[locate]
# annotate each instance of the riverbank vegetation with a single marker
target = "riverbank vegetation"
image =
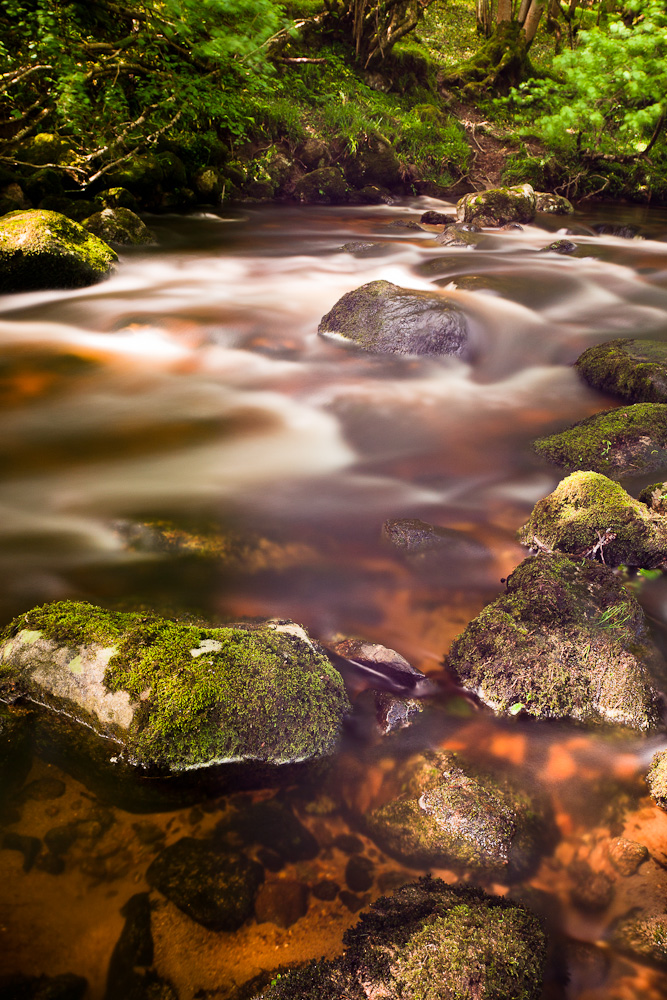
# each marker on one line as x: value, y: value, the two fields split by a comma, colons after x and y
x: 149, y: 95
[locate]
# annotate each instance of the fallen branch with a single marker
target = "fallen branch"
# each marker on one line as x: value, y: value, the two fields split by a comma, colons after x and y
x: 297, y: 59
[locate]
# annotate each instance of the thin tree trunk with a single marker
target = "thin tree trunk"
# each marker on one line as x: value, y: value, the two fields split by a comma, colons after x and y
x: 504, y: 12
x: 533, y: 20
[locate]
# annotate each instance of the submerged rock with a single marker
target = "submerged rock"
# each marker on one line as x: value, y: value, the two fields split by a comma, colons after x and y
x: 635, y: 370
x: 119, y: 225
x: 498, y: 206
x: 131, y: 974
x: 216, y: 889
x: 450, y: 813
x: 459, y: 234
x: 589, y: 516
x: 272, y: 824
x: 627, y: 441
x: 22, y: 987
x: 40, y: 249
x: 173, y: 695
x: 554, y: 204
x: 437, y: 219
x: 563, y: 247
x: 566, y: 640
x: 656, y: 778
x: 428, y: 544
x: 383, y: 318
x: 429, y: 940
x: 644, y: 937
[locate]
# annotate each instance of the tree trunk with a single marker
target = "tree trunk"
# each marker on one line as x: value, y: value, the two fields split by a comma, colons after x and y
x: 533, y: 19
x: 499, y: 63
x: 504, y: 12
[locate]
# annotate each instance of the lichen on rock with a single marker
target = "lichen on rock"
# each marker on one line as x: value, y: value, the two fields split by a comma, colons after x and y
x: 175, y: 695
x: 590, y: 516
x: 635, y: 370
x: 566, y: 640
x: 41, y: 249
x: 498, y: 206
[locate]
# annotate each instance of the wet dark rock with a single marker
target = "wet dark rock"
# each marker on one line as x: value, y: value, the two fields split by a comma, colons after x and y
x: 498, y: 206
x: 40, y: 249
x: 564, y: 247
x: 118, y: 197
x: 119, y: 227
x: 590, y: 516
x: 359, y: 873
x: 587, y: 966
x: 326, y: 889
x: 383, y: 665
x: 643, y: 937
x: 553, y: 204
x: 451, y: 813
x: 29, y: 847
x: 591, y: 891
x: 566, y: 640
x: 459, y: 235
x: 612, y: 229
x: 325, y: 186
x: 21, y: 987
x: 270, y: 860
x: 383, y: 318
x: 281, y: 903
x: 351, y: 901
x: 428, y: 545
x: 373, y: 162
x: 148, y: 833
x: 262, y: 692
x: 656, y: 778
x: 626, y: 855
x: 393, y: 713
x: 273, y: 825
x: 313, y: 153
x: 15, y: 753
x: 635, y: 370
x: 59, y: 839
x: 403, y: 224
x: 362, y: 249
x: 510, y: 227
x: 429, y: 940
x: 437, y: 219
x: 655, y: 497
x: 348, y: 843
x: 42, y: 789
x: 131, y: 974
x: 216, y: 889
x: 52, y: 864
x: 626, y: 441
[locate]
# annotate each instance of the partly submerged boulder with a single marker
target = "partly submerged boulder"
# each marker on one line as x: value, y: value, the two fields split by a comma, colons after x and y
x: 324, y: 186
x: 566, y: 640
x: 425, y: 544
x: 554, y: 204
x: 383, y: 318
x: 627, y: 441
x: 429, y: 940
x: 459, y: 234
x: 589, y: 516
x: 40, y: 249
x: 635, y: 370
x: 449, y: 813
x: 174, y: 695
x: 498, y: 206
x: 656, y: 778
x: 644, y: 937
x: 119, y: 225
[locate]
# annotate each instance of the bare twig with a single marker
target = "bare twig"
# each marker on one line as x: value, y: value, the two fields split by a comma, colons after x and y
x: 121, y: 159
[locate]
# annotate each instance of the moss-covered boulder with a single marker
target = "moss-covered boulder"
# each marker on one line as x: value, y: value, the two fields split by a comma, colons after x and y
x: 498, y: 206
x: 643, y: 937
x: 46, y: 147
x: 373, y: 162
x: 553, y: 204
x: 627, y: 441
x: 383, y: 318
x: 566, y: 640
x: 209, y: 183
x: 324, y: 186
x: 635, y: 370
x: 459, y: 234
x: 655, y: 497
x: 449, y: 813
x: 41, y: 249
x: 141, y: 174
x: 656, y: 778
x: 424, y: 544
x: 174, y: 695
x: 429, y: 941
x: 117, y: 197
x: 120, y: 226
x: 590, y: 516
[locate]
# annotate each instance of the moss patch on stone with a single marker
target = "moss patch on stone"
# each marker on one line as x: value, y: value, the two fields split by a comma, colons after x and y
x: 656, y: 778
x: 628, y: 441
x: 119, y: 225
x: 590, y: 516
x: 643, y: 937
x: 199, y: 694
x: 566, y: 640
x: 40, y: 249
x: 635, y: 370
x: 498, y: 206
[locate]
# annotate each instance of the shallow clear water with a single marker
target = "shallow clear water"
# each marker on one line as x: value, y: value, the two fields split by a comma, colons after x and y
x: 193, y: 386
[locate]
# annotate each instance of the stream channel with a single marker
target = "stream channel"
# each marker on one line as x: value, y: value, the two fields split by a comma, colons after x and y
x: 192, y: 388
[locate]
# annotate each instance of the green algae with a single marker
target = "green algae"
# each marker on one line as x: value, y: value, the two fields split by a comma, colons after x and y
x: 566, y: 640
x: 202, y: 694
x: 635, y: 370
x: 41, y: 249
x: 630, y: 440
x: 590, y: 516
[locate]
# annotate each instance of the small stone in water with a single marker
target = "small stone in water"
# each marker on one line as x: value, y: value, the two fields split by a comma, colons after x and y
x: 281, y: 903
x: 352, y: 902
x: 559, y: 246
x: 325, y: 889
x: 41, y: 789
x: 29, y: 847
x: 271, y: 860
x: 50, y: 863
x: 592, y: 890
x: 627, y: 855
x: 359, y: 873
x: 348, y: 843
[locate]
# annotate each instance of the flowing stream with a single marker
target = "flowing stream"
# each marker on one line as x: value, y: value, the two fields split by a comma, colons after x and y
x: 193, y: 387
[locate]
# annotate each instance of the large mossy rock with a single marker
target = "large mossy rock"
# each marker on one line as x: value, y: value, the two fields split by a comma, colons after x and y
x: 498, y: 206
x: 40, y: 249
x: 374, y: 162
x: 627, y: 441
x: 175, y: 695
x: 119, y: 225
x: 324, y: 186
x: 566, y: 640
x: 450, y: 813
x: 656, y: 778
x: 589, y: 516
x: 383, y: 318
x: 635, y: 370
x: 553, y: 204
x: 643, y: 937
x: 429, y: 941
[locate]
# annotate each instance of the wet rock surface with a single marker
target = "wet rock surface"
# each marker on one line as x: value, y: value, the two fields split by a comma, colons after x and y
x: 429, y: 940
x: 498, y: 206
x: 119, y: 227
x: 566, y: 640
x: 553, y: 204
x: 430, y: 546
x: 635, y: 370
x: 281, y: 903
x: 272, y: 824
x: 450, y: 813
x: 383, y: 318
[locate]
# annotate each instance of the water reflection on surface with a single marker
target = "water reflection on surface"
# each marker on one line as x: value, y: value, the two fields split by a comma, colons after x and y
x: 193, y: 386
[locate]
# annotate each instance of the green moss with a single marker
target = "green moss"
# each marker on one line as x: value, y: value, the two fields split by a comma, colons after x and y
x: 656, y: 778
x: 253, y: 692
x: 627, y: 441
x: 588, y: 515
x: 498, y: 206
x: 645, y: 937
x: 635, y: 370
x: 41, y: 249
x: 119, y: 225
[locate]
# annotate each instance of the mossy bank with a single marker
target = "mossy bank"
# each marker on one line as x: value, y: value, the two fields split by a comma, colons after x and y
x: 174, y: 695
